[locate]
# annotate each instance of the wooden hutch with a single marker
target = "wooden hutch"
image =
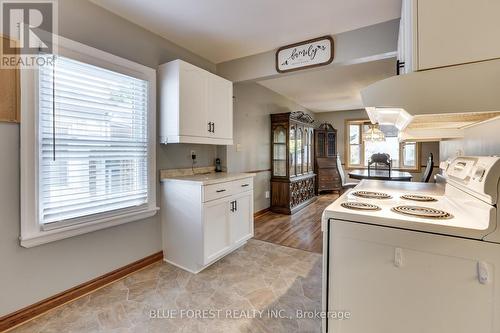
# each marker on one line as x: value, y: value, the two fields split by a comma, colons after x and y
x: 325, y: 159
x: 292, y: 167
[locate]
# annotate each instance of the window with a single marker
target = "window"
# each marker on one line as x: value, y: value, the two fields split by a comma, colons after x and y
x: 90, y: 126
x: 403, y: 155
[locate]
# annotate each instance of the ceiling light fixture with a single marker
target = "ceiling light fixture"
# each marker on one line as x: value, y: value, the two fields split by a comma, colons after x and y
x: 373, y: 134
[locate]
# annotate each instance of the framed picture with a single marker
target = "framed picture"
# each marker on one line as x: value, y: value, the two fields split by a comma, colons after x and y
x: 310, y: 53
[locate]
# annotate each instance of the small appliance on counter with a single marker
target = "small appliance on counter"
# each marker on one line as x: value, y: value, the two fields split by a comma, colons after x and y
x: 218, y: 167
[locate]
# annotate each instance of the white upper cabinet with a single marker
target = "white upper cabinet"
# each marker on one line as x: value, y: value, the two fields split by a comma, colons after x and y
x: 220, y: 107
x: 448, y: 32
x: 196, y: 105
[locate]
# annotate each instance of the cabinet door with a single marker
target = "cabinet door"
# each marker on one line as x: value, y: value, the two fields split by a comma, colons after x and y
x: 241, y: 218
x: 216, y: 229
x: 220, y: 107
x: 454, y: 32
x: 403, y: 281
x: 193, y: 101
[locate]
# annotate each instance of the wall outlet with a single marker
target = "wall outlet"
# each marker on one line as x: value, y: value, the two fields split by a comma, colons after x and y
x: 267, y: 194
x: 238, y: 147
x: 193, y: 155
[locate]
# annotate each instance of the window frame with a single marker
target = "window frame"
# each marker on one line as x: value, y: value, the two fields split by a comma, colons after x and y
x: 347, y: 149
x: 34, y: 233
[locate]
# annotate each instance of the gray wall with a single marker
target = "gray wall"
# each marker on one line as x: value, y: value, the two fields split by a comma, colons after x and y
x: 338, y: 118
x: 29, y: 275
x: 252, y: 131
x: 373, y: 42
x: 480, y: 140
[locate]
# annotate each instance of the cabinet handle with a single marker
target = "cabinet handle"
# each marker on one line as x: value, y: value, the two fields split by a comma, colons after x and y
x: 213, y: 127
x: 235, y: 205
x: 210, y: 126
x: 399, y: 66
x: 219, y: 191
x: 245, y: 185
x: 232, y: 206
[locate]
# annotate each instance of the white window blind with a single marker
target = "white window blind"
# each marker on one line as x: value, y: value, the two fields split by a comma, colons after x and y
x: 93, y: 141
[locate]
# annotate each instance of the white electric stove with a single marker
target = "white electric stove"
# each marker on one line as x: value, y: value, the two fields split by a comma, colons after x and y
x: 416, y: 257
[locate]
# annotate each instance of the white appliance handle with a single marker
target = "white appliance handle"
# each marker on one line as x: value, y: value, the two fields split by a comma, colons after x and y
x: 482, y: 272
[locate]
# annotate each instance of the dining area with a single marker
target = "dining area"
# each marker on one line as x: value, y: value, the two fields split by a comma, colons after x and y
x: 373, y: 152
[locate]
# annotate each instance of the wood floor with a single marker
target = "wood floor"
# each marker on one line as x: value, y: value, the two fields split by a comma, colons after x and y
x: 301, y: 230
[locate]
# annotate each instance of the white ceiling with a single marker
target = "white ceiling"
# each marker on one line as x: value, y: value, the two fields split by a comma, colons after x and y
x: 332, y: 89
x: 221, y: 30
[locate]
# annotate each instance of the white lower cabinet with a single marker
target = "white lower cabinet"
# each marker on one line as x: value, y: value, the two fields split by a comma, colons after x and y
x: 216, y: 233
x: 241, y: 218
x: 201, y: 222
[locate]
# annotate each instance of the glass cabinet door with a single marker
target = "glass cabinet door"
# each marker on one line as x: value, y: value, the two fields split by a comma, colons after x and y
x: 306, y: 151
x: 331, y: 144
x: 299, y: 151
x: 293, y: 151
x: 311, y: 153
x: 279, y: 152
x: 321, y: 144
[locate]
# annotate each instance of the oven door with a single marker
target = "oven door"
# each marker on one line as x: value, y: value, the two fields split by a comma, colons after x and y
x: 392, y: 281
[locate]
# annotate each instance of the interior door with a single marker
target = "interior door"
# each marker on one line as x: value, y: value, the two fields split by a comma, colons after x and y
x: 216, y: 229
x: 220, y: 106
x: 394, y: 281
x: 193, y: 102
x: 241, y: 220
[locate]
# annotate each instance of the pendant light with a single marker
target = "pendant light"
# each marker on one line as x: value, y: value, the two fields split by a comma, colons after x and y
x: 373, y: 134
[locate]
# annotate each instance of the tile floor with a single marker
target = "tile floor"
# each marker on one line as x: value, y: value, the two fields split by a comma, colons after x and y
x: 258, y: 277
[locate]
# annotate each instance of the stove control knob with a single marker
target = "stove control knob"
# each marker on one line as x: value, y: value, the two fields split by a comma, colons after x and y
x: 479, y: 174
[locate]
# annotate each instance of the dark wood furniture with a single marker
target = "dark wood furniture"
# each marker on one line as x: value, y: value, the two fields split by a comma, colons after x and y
x: 380, y: 175
x: 325, y: 159
x: 292, y: 176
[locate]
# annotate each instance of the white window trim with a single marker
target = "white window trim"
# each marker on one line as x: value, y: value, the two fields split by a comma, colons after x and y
x: 32, y: 233
x: 347, y: 149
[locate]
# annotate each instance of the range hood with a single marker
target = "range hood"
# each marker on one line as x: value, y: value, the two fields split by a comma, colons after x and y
x: 465, y: 88
x: 436, y: 104
x: 437, y: 127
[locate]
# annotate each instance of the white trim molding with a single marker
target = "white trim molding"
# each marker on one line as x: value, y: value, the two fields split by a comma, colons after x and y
x: 32, y: 232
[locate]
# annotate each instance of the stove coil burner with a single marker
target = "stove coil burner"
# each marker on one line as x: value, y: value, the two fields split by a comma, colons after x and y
x: 424, y: 212
x: 359, y: 206
x: 371, y: 195
x: 417, y: 197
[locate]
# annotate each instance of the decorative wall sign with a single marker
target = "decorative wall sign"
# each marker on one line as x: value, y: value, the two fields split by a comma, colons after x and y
x: 306, y: 54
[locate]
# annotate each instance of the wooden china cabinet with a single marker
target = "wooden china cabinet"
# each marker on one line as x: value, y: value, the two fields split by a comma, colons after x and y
x: 292, y: 167
x: 325, y: 159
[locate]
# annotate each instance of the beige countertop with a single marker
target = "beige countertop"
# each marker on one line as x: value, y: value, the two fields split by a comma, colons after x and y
x: 208, y: 178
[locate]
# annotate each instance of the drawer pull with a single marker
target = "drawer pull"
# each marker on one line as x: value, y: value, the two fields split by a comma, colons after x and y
x: 245, y: 185
x: 219, y: 191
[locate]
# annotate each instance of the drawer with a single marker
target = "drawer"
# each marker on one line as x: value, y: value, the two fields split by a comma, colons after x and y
x: 216, y: 191
x: 242, y: 185
x: 221, y: 190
